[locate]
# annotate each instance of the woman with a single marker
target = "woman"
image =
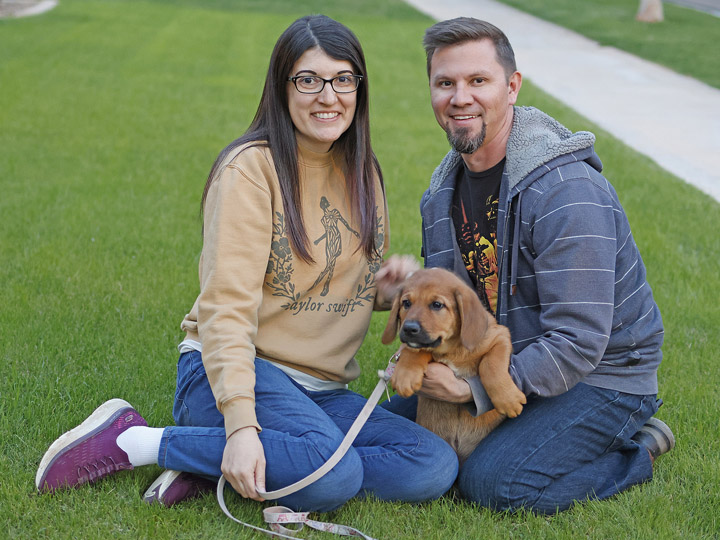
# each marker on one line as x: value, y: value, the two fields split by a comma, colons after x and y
x: 261, y: 393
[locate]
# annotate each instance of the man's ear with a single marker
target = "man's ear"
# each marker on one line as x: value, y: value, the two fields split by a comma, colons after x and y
x: 514, y: 85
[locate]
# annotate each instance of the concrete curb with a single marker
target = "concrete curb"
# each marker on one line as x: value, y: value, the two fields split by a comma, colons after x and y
x: 27, y: 8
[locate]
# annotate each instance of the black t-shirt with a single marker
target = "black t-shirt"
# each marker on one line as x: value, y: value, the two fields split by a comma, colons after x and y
x: 474, y: 214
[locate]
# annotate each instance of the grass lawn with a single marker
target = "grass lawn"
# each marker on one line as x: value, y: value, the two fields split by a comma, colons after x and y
x: 111, y: 114
x: 686, y: 41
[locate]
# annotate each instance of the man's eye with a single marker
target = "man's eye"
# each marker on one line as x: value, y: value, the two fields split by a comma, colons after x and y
x: 445, y: 84
x: 436, y: 306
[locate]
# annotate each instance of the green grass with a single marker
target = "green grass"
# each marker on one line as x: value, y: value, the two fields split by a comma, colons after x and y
x: 684, y: 41
x: 111, y: 114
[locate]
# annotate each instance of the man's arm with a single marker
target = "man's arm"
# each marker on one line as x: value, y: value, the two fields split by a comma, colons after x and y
x: 441, y: 383
x: 571, y: 232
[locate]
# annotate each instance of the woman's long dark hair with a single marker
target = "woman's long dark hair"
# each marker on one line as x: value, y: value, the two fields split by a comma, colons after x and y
x: 273, y: 127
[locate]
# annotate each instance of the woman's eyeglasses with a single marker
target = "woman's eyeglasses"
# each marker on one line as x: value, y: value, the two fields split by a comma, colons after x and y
x: 312, y: 84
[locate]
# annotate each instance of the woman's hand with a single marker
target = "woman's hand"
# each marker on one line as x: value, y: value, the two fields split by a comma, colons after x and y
x: 390, y: 277
x: 441, y: 383
x: 243, y: 463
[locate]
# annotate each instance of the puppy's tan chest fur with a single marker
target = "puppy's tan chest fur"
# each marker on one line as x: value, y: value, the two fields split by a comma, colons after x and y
x: 461, y: 369
x: 461, y: 360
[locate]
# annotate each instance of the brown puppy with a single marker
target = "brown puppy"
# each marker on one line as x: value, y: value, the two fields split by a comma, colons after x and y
x: 441, y: 319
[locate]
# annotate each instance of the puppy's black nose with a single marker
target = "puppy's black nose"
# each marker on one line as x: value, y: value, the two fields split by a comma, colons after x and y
x: 411, y: 328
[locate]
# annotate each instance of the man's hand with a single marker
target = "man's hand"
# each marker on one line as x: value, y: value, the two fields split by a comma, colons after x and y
x: 390, y: 277
x: 243, y: 463
x: 441, y: 383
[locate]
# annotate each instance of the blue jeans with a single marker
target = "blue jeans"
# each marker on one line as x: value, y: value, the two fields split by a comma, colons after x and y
x: 560, y: 450
x: 392, y: 458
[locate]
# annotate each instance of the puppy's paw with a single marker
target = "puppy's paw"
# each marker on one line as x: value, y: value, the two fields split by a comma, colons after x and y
x: 406, y: 381
x: 511, y: 403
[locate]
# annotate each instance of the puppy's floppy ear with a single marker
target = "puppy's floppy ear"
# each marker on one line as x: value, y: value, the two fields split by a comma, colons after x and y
x: 392, y: 324
x: 473, y: 318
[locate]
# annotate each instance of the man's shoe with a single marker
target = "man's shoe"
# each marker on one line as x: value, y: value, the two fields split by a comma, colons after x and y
x: 89, y: 452
x: 656, y: 436
x: 171, y: 487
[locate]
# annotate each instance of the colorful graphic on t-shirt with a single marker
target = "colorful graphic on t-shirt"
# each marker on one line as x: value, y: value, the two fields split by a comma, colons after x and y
x: 479, y: 251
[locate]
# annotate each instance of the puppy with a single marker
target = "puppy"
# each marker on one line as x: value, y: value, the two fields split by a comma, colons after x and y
x: 441, y: 319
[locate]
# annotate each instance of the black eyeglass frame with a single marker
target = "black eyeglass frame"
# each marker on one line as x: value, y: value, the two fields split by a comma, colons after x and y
x: 325, y: 81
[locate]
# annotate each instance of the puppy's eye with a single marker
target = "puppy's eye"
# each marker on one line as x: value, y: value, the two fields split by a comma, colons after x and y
x: 406, y: 304
x: 436, y: 306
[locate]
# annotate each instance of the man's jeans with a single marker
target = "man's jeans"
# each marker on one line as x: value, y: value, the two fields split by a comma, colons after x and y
x: 568, y: 448
x: 392, y: 457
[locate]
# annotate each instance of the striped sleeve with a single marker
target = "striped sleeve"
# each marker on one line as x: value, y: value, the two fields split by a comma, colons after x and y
x: 570, y: 239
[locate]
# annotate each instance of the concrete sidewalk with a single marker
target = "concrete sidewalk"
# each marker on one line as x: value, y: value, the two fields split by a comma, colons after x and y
x: 25, y: 8
x: 673, y: 119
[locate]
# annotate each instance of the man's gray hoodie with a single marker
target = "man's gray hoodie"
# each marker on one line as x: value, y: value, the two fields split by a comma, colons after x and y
x: 572, y: 287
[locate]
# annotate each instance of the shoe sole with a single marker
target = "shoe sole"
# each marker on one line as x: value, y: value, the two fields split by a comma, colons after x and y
x: 101, y: 417
x: 664, y: 430
x: 161, y: 484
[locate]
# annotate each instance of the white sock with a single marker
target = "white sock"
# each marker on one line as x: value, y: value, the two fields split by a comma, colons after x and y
x: 141, y: 444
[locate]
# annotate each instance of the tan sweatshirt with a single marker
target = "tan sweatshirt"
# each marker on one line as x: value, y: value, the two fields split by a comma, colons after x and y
x: 258, y: 299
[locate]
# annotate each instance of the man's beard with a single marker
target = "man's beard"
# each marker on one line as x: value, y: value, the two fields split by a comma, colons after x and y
x: 463, y: 143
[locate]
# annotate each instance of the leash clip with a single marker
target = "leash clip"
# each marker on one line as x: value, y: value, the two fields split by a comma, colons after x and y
x: 386, y: 374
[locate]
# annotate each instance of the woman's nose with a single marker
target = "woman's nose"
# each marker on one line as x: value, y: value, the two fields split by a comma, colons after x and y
x: 327, y: 95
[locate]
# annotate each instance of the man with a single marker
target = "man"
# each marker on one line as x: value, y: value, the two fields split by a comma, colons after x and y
x: 519, y: 208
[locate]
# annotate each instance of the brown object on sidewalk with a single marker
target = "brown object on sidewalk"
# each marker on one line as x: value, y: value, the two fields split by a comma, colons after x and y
x: 650, y: 11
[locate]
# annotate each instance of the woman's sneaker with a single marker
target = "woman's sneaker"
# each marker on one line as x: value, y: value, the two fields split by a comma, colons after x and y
x: 656, y: 436
x: 171, y: 487
x: 89, y: 452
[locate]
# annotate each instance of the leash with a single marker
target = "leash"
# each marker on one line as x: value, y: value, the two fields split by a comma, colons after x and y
x: 276, y: 515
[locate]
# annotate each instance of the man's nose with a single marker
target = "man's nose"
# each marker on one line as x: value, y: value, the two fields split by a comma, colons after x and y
x: 461, y: 95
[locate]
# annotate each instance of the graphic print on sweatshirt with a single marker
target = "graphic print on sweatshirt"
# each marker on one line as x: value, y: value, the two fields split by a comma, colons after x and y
x: 333, y: 243
x: 279, y: 272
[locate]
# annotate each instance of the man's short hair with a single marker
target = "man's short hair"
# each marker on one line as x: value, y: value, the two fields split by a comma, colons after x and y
x: 463, y: 29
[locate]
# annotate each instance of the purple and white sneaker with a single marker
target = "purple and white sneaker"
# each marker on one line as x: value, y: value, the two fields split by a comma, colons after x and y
x: 89, y: 452
x: 171, y: 487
